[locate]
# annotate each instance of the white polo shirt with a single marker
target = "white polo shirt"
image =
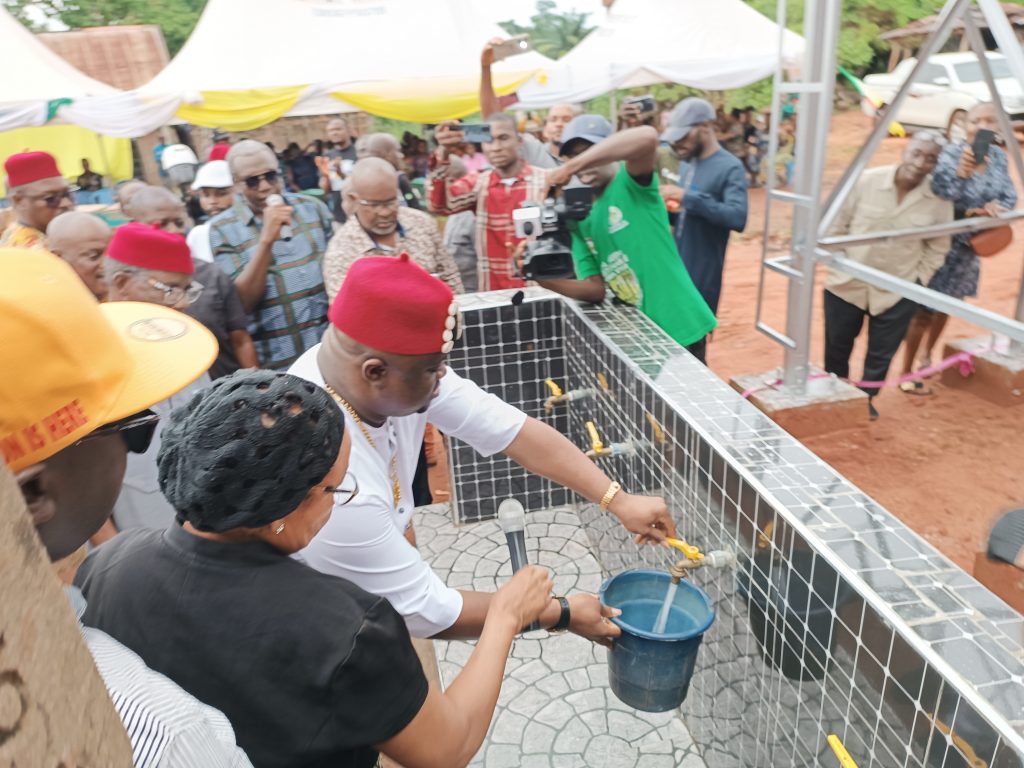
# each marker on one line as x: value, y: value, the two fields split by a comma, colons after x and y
x: 364, y: 540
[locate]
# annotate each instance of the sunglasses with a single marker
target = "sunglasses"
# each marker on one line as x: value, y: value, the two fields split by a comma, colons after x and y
x: 54, y: 199
x: 253, y: 182
x: 137, y: 431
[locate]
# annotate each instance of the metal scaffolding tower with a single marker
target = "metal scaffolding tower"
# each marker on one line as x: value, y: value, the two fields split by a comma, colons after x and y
x: 812, y: 218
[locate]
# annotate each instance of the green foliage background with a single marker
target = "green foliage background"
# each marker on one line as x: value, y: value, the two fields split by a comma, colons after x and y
x: 177, y: 18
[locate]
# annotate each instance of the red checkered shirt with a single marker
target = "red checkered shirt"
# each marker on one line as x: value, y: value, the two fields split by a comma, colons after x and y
x: 493, y: 199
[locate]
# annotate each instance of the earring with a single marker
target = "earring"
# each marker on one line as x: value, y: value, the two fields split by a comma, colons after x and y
x: 279, y: 528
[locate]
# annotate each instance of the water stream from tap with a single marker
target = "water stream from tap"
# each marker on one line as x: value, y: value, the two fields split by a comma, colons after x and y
x: 666, y: 608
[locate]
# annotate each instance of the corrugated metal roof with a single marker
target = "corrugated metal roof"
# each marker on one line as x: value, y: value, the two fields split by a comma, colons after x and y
x: 122, y: 56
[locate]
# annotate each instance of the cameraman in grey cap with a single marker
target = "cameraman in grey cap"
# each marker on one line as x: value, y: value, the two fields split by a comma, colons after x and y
x: 712, y: 195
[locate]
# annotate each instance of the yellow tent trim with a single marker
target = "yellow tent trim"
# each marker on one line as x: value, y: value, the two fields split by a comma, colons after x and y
x: 241, y: 110
x: 70, y: 144
x: 427, y: 100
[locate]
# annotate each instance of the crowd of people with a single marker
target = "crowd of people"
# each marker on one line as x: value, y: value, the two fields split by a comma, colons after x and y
x: 263, y: 344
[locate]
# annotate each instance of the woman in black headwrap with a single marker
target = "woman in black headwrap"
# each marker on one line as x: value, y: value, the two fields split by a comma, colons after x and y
x: 309, y: 669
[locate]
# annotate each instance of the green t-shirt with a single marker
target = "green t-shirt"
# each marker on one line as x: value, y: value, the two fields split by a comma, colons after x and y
x: 626, y: 240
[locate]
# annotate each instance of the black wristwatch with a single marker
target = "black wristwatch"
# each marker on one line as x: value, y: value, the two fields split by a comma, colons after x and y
x: 563, y: 619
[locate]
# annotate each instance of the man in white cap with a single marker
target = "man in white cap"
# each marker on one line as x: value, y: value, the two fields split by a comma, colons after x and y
x: 711, y: 195
x: 216, y: 191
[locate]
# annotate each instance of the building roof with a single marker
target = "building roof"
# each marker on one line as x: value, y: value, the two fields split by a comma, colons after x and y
x: 922, y: 27
x: 122, y: 56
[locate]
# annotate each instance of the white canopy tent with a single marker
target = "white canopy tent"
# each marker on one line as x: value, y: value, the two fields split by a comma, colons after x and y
x: 716, y: 46
x: 250, y: 62
x: 404, y: 51
x: 36, y: 77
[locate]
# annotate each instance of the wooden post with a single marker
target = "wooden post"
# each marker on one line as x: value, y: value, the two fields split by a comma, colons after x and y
x: 54, y: 709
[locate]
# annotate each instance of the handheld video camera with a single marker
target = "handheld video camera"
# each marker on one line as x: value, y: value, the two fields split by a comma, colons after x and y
x: 546, y: 227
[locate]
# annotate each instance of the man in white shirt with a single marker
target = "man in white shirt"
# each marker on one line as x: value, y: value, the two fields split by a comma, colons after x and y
x: 383, y: 361
x: 65, y: 429
x: 216, y: 190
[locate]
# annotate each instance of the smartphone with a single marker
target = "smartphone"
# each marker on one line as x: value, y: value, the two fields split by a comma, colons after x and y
x: 645, y: 103
x: 983, y: 139
x: 476, y: 133
x: 512, y: 47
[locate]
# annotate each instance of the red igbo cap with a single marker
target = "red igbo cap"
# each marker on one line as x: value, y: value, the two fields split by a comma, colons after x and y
x: 148, y: 247
x: 393, y: 305
x: 26, y: 167
x: 219, y: 152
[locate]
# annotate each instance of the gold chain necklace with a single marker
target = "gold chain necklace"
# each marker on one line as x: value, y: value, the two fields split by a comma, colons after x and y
x: 396, y: 486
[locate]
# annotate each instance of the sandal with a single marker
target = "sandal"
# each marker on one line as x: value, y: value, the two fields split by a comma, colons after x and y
x: 915, y: 388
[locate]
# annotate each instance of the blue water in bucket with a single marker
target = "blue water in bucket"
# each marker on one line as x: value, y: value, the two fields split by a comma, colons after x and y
x: 646, y: 671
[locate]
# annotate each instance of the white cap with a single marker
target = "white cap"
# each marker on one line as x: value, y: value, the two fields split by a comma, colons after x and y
x: 215, y: 173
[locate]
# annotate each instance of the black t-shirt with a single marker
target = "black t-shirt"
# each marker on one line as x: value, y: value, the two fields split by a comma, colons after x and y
x: 220, y: 309
x: 310, y: 669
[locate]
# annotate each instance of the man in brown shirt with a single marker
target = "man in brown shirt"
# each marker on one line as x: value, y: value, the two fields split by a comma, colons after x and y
x: 884, y: 199
x: 381, y: 226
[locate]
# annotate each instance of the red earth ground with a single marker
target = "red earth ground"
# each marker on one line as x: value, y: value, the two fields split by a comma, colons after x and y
x: 946, y: 465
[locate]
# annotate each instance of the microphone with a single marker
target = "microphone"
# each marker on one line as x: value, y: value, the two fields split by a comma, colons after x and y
x: 512, y: 519
x: 286, y: 230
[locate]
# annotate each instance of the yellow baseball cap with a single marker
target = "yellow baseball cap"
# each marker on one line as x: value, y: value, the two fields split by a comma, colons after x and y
x: 72, y: 365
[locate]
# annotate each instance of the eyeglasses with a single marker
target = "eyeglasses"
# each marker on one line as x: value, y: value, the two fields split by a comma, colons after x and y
x: 253, y: 182
x: 173, y: 294
x: 54, y: 199
x: 137, y: 431
x: 343, y: 496
x: 384, y: 205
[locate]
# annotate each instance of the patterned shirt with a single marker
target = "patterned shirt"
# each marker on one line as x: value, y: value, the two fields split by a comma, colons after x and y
x: 167, y: 726
x: 18, y: 235
x: 417, y: 235
x: 292, y: 315
x: 494, y: 199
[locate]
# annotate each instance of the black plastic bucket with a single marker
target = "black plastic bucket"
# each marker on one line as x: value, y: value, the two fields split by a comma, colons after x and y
x: 792, y: 622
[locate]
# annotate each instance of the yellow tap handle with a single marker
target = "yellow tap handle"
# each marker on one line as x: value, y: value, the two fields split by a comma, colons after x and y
x: 691, y: 552
x: 556, y: 391
x: 595, y: 439
x: 659, y: 433
x: 845, y: 761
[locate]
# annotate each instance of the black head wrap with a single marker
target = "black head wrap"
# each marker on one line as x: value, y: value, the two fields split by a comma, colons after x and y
x: 247, y: 450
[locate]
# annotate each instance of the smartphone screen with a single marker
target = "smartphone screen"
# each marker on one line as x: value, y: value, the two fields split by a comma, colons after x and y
x: 982, y: 141
x: 512, y: 47
x: 645, y: 103
x: 476, y: 133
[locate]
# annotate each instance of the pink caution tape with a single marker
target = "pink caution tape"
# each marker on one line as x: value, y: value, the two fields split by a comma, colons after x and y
x: 965, y: 361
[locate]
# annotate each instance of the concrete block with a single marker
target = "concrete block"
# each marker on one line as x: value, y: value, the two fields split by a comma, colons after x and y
x: 827, y: 405
x: 998, y: 376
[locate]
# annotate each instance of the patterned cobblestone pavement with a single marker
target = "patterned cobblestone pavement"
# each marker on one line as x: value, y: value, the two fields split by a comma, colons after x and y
x: 556, y: 709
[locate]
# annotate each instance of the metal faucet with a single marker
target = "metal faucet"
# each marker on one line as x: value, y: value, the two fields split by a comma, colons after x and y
x: 694, y: 559
x: 557, y: 396
x: 599, y: 449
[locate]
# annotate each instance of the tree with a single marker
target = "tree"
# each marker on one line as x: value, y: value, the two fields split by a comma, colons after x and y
x: 177, y: 18
x: 551, y: 33
x: 860, y: 48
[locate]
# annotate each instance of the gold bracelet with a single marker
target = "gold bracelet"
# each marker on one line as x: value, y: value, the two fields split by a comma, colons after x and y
x: 606, y: 500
